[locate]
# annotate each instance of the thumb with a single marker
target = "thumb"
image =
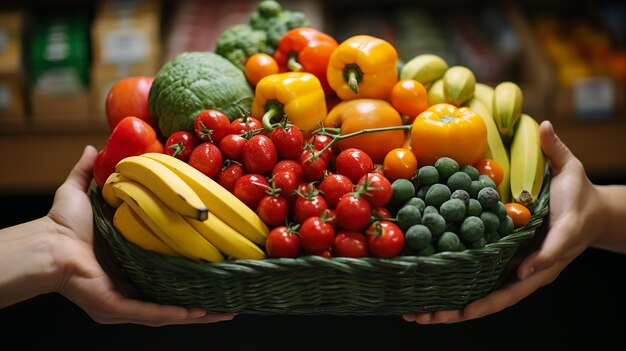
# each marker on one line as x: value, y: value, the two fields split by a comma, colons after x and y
x: 81, y: 173
x: 557, y: 152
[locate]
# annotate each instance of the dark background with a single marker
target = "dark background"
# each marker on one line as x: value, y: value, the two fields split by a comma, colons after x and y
x: 585, y: 305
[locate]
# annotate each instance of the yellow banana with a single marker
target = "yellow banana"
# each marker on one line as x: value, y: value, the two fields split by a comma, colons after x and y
x: 527, y: 161
x: 507, y: 108
x: 495, y: 148
x: 136, y: 231
x: 222, y: 203
x: 169, y: 225
x: 107, y: 191
x: 435, y: 93
x: 165, y: 184
x: 230, y: 242
x: 484, y: 93
x: 458, y: 85
x: 425, y: 68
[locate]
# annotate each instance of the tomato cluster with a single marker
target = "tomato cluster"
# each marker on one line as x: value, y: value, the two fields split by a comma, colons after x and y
x: 315, y: 198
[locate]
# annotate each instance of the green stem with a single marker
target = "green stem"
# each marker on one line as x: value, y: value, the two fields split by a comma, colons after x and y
x: 353, y: 75
x: 338, y: 137
x: 293, y: 64
x: 273, y: 108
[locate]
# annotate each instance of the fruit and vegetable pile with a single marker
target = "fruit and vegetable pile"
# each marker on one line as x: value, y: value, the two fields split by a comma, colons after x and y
x: 284, y: 142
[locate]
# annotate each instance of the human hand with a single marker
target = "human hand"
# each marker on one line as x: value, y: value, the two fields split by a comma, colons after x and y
x: 568, y: 236
x: 83, y: 280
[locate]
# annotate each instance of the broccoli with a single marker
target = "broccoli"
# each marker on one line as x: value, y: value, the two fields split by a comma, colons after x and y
x: 271, y: 18
x: 239, y: 42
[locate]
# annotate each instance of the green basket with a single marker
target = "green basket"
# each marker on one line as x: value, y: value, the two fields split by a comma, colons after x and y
x: 313, y: 285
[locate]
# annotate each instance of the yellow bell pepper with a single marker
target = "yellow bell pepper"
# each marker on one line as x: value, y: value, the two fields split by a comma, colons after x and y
x: 356, y: 115
x: 363, y: 66
x: 298, y: 95
x: 446, y: 130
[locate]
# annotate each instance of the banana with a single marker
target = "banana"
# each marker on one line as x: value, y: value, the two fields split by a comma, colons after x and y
x: 226, y: 239
x: 507, y: 108
x: 496, y: 149
x: 107, y: 189
x: 435, y: 93
x: 527, y: 161
x: 222, y: 203
x: 459, y: 83
x: 484, y: 93
x: 165, y: 183
x: 425, y: 68
x: 136, y: 231
x: 169, y: 225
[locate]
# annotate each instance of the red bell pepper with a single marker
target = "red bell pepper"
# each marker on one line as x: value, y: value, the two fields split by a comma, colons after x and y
x: 306, y: 49
x: 131, y: 136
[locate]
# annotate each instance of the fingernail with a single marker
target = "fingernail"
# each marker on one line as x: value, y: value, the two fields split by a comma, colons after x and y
x: 197, y: 313
x: 528, y: 272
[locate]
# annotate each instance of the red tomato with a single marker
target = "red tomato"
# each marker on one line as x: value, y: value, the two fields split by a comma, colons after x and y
x: 251, y: 188
x: 211, y: 125
x: 333, y: 187
x: 273, y: 210
x: 314, y: 168
x: 287, y: 182
x: 259, y: 154
x: 207, y: 158
x: 245, y: 124
x: 228, y: 175
x: 316, y: 235
x: 377, y: 189
x: 282, y: 242
x: 180, y: 144
x: 129, y: 97
x: 492, y: 169
x: 288, y: 140
x: 354, y: 163
x: 309, y: 205
x: 319, y: 142
x: 350, y: 244
x: 385, y: 239
x: 289, y: 166
x: 353, y: 212
x: 232, y: 146
x: 381, y: 212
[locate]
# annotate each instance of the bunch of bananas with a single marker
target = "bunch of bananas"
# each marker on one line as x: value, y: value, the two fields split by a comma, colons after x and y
x: 512, y: 136
x: 165, y: 205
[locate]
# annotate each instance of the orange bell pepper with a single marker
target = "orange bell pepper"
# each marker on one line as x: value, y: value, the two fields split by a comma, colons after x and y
x: 363, y: 66
x: 361, y: 114
x: 446, y: 130
x: 298, y: 95
x: 306, y: 49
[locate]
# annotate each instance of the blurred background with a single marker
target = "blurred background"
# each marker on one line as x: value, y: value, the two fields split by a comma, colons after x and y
x: 59, y: 58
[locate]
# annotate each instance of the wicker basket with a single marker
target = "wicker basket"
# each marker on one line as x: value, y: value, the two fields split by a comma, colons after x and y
x: 314, y: 285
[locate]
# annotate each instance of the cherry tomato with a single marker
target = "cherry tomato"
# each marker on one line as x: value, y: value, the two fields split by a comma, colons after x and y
x: 353, y: 212
x: 353, y: 163
x: 385, y: 239
x: 273, y: 210
x: 319, y: 142
x: 410, y: 98
x: 309, y: 205
x: 207, y: 158
x: 316, y: 235
x: 288, y: 140
x: 313, y: 167
x: 381, y: 213
x: 289, y: 166
x: 259, y: 154
x: 129, y: 97
x: 400, y: 163
x: 492, y: 169
x: 228, y: 175
x: 282, y: 242
x: 287, y: 182
x: 519, y: 213
x: 211, y: 125
x: 245, y: 124
x: 250, y: 188
x: 232, y: 146
x: 180, y: 144
x: 377, y: 189
x: 259, y: 65
x: 333, y: 187
x: 350, y: 244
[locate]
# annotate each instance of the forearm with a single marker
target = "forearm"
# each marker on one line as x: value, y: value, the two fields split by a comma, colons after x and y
x: 612, y: 214
x: 27, y: 265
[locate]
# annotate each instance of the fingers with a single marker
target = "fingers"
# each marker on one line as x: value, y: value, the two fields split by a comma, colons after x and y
x: 558, y: 153
x: 81, y: 173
